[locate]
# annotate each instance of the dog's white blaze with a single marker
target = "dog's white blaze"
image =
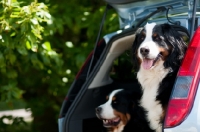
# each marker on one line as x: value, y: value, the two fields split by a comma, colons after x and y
x: 150, y: 80
x: 107, y: 110
x: 148, y: 42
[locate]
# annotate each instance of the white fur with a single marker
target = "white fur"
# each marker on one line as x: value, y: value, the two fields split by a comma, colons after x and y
x: 148, y: 43
x: 107, y: 110
x: 150, y: 81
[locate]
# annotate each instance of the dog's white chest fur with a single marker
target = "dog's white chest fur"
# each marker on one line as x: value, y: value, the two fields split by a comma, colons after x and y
x: 150, y: 81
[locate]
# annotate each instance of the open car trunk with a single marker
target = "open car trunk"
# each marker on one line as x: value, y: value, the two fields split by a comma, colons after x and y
x: 109, y: 66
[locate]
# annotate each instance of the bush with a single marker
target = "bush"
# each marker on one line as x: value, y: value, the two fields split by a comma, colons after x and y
x: 43, y: 45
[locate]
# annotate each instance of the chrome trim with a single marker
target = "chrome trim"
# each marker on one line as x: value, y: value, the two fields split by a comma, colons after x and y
x: 60, y: 124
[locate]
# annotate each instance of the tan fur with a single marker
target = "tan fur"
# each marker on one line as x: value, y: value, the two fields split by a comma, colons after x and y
x: 164, y: 53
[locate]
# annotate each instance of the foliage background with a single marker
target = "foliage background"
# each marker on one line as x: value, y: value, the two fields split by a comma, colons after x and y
x: 43, y: 44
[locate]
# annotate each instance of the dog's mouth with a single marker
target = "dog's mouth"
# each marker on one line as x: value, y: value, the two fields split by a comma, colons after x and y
x: 148, y: 63
x: 111, y: 122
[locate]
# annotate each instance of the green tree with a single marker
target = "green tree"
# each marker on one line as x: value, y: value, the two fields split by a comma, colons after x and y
x: 43, y: 44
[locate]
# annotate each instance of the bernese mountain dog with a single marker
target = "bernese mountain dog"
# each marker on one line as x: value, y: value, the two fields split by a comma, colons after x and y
x: 122, y: 112
x: 157, y: 54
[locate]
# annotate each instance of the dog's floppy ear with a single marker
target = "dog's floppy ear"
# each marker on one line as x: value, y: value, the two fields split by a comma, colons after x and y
x: 135, y: 46
x: 175, y: 40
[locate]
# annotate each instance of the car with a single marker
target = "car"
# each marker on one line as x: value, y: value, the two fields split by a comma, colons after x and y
x: 109, y: 67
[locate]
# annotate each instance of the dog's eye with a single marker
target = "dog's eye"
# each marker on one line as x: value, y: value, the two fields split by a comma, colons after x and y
x: 157, y: 38
x: 142, y: 37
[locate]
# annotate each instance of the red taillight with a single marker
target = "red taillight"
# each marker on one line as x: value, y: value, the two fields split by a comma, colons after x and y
x: 184, y: 91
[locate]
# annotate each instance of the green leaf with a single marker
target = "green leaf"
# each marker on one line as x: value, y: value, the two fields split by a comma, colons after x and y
x: 11, y: 57
x: 2, y: 61
x: 11, y: 91
x: 36, y: 62
x: 28, y: 45
x: 46, y: 59
x: 32, y: 38
x: 24, y: 26
x: 22, y: 50
x: 46, y: 45
x: 5, y: 40
x: 79, y: 60
x: 16, y: 92
x: 11, y: 73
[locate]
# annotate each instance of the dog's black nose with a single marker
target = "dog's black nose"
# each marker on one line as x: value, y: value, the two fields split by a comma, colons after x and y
x: 144, y: 51
x: 98, y: 110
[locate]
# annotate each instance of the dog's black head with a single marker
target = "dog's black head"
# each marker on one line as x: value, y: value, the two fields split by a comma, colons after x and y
x: 158, y: 45
x: 116, y: 112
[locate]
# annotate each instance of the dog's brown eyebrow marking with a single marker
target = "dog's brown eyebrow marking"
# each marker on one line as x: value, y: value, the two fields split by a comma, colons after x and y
x: 144, y: 33
x: 155, y: 34
x: 107, y: 97
x: 113, y: 98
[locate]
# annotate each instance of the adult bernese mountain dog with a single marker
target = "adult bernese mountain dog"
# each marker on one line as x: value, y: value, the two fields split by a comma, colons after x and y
x: 157, y: 54
x: 122, y: 112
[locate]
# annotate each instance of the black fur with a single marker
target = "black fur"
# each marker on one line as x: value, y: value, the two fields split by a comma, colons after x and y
x: 135, y: 46
x: 173, y: 38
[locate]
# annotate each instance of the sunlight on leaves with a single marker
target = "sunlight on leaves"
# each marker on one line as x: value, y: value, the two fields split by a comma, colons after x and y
x: 46, y: 45
x: 86, y: 13
x: 69, y: 44
x: 68, y: 71
x: 49, y: 71
x: 65, y: 80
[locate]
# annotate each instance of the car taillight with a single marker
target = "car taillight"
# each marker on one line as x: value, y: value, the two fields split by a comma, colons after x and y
x: 185, y: 87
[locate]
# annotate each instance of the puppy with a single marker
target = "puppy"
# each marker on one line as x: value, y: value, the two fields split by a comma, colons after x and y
x: 157, y: 54
x: 121, y: 112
